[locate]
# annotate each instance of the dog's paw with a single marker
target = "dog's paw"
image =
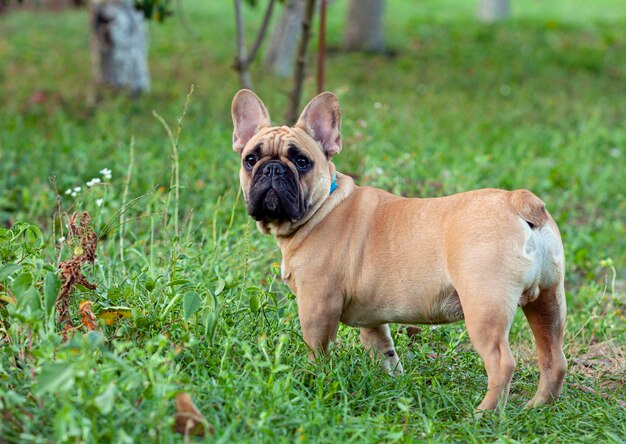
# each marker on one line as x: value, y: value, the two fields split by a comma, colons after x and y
x: 392, y: 365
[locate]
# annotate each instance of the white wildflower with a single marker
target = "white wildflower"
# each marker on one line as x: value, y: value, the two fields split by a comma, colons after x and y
x: 61, y: 239
x: 99, y: 202
x: 93, y: 182
x: 68, y: 191
x: 77, y: 189
x: 106, y: 173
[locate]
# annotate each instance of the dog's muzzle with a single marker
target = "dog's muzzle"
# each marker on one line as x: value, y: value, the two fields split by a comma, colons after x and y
x: 275, y: 194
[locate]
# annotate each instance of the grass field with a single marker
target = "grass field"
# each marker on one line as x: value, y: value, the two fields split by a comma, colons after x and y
x: 537, y: 102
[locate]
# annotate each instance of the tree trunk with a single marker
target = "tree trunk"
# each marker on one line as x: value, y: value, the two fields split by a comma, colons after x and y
x: 240, y: 61
x: 364, y: 26
x: 119, y: 45
x: 493, y: 10
x: 282, y: 51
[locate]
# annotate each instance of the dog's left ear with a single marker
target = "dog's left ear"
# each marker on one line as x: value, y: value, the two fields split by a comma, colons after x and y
x: 249, y: 116
x: 321, y: 120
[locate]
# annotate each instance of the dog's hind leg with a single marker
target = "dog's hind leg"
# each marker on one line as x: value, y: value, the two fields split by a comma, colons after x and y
x: 546, y: 316
x: 379, y: 342
x: 489, y: 312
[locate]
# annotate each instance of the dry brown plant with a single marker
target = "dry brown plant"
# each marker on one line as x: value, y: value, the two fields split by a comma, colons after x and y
x: 81, y: 235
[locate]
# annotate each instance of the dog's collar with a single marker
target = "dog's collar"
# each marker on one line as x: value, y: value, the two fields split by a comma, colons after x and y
x: 333, y: 184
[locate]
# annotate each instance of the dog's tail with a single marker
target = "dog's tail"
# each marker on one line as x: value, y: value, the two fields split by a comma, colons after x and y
x: 529, y: 207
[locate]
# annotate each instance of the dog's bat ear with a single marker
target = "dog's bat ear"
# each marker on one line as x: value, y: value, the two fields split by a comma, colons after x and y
x: 249, y: 116
x: 321, y: 119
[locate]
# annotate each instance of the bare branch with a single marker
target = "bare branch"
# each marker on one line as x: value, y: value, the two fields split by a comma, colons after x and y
x: 321, y: 47
x: 262, y: 31
x: 243, y: 62
x: 298, y: 78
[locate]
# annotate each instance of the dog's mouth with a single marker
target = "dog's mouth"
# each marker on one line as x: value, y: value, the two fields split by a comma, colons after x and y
x: 275, y: 195
x: 268, y: 207
x: 271, y: 202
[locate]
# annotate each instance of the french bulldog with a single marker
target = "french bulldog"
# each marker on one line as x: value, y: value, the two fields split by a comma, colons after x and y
x: 367, y: 258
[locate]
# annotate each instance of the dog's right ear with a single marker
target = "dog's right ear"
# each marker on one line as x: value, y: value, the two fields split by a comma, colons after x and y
x: 249, y: 116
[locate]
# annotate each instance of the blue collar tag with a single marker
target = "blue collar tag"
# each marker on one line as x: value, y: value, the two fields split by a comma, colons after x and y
x: 333, y: 184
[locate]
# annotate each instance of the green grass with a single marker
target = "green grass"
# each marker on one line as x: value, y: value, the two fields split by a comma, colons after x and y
x: 537, y: 102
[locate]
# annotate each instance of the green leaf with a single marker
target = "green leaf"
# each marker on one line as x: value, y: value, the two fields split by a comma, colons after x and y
x: 149, y: 284
x: 8, y: 270
x: 34, y: 235
x: 104, y: 401
x: 209, y: 326
x: 30, y: 298
x: 221, y: 284
x: 51, y: 287
x: 191, y: 304
x: 254, y: 303
x: 55, y: 378
x: 176, y: 282
x: 22, y: 283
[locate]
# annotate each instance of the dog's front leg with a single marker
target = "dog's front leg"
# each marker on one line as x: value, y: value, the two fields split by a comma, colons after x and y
x: 379, y: 342
x: 319, y: 319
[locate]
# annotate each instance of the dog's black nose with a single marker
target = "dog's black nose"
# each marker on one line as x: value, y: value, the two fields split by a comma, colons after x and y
x: 273, y: 168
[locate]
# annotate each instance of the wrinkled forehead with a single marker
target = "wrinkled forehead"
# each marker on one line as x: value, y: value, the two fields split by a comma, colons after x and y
x: 271, y: 141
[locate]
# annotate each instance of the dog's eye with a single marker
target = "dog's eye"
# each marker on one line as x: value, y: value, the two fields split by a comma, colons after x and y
x: 302, y: 163
x: 249, y: 161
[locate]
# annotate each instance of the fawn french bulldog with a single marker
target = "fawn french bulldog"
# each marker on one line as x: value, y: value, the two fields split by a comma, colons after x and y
x: 367, y: 258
